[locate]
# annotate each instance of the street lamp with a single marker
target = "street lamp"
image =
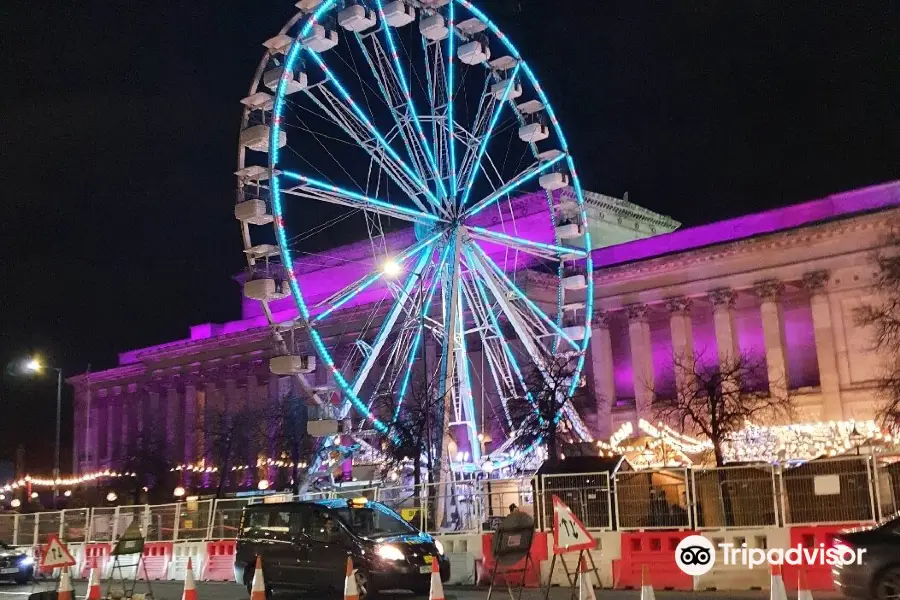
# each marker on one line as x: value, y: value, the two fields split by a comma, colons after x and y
x: 34, y: 365
x: 179, y: 492
x: 856, y: 438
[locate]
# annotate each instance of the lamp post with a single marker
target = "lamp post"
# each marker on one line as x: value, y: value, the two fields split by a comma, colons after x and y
x: 34, y: 365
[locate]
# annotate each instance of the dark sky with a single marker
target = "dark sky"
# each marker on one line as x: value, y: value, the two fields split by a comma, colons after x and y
x: 120, y: 120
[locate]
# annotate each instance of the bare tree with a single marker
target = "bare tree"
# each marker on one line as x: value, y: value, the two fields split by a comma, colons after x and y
x: 540, y: 413
x: 231, y: 436
x: 146, y: 456
x: 414, y: 427
x: 716, y: 400
x: 884, y: 319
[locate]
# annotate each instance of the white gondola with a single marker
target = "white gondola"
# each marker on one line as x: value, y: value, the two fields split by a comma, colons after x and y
x: 295, y: 83
x: 474, y: 53
x: 308, y: 5
x: 279, y: 44
x: 576, y: 333
x: 261, y: 251
x: 252, y: 211
x: 574, y: 282
x: 553, y: 181
x: 569, y: 231
x: 434, y: 28
x: 503, y: 63
x: 257, y: 138
x: 357, y: 18
x: 549, y: 155
x: 531, y: 107
x: 292, y: 365
x: 398, y: 13
x: 573, y: 306
x: 319, y: 39
x: 259, y: 101
x: 471, y: 26
x: 253, y: 173
x: 534, y: 132
x: 266, y: 289
x: 498, y: 89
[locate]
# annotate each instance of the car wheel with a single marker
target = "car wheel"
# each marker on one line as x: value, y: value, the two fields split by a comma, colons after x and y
x: 888, y: 585
x: 364, y: 585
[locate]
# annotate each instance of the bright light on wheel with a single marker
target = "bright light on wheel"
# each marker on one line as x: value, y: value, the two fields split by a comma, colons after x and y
x: 392, y: 268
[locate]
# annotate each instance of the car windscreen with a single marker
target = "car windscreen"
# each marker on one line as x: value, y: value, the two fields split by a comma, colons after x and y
x: 374, y: 520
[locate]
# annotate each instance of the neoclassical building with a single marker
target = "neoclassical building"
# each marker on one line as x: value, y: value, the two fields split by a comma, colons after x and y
x: 781, y: 286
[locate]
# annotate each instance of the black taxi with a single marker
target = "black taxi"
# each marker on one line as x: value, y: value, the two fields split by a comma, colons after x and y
x: 305, y: 545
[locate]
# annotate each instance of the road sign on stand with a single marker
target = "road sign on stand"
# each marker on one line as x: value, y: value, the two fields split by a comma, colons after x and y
x: 55, y: 555
x: 569, y: 533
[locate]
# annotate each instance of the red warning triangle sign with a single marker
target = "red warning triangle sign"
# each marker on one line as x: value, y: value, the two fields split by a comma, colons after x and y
x: 569, y: 533
x: 55, y: 555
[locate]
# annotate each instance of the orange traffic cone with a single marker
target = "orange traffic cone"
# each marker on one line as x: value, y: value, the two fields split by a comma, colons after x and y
x: 777, y: 591
x: 585, y: 586
x: 65, y: 591
x: 351, y: 591
x: 646, y: 588
x: 93, y: 592
x: 803, y: 591
x: 437, y: 588
x: 258, y: 589
x: 190, y: 586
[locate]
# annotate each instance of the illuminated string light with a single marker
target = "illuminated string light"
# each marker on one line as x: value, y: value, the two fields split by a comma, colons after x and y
x: 63, y: 481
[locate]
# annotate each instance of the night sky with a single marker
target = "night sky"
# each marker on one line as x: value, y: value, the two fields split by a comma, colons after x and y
x: 120, y: 121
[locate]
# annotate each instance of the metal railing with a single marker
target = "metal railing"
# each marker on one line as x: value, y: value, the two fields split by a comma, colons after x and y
x: 843, y: 490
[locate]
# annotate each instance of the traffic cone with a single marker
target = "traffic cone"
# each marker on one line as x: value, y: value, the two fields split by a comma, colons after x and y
x: 803, y: 591
x: 65, y: 591
x: 190, y: 587
x: 351, y: 592
x: 777, y: 588
x: 585, y: 585
x: 437, y: 588
x: 93, y: 592
x: 258, y: 589
x: 646, y: 588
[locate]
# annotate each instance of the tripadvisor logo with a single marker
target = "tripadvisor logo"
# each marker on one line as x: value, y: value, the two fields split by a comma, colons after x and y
x: 695, y: 555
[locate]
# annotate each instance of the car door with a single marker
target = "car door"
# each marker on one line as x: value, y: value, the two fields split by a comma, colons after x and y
x: 295, y: 561
x: 328, y: 549
x: 262, y: 540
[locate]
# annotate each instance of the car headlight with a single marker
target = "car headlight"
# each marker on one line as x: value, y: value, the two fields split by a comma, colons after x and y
x: 26, y: 561
x: 390, y: 553
x: 439, y: 546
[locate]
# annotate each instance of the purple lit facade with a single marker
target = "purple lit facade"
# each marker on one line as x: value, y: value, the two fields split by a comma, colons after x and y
x: 781, y: 285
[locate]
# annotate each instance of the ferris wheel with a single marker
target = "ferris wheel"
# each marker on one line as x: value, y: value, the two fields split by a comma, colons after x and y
x: 407, y: 197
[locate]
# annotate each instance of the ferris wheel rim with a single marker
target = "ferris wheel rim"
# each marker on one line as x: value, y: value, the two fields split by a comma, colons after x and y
x: 281, y: 236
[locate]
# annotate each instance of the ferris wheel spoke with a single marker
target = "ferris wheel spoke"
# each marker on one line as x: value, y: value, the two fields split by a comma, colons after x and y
x: 541, y: 249
x: 372, y: 142
x: 390, y: 320
x: 482, y: 142
x: 420, y: 333
x: 534, y: 170
x: 357, y: 287
x: 321, y: 190
x: 382, y: 144
x: 500, y: 373
x: 465, y: 404
x: 451, y: 96
x: 394, y: 89
x: 519, y: 294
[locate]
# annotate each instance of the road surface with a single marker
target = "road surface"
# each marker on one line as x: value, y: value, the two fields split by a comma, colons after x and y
x: 171, y: 590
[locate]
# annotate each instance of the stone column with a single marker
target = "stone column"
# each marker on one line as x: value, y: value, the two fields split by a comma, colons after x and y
x: 193, y: 423
x: 728, y: 348
x: 173, y: 411
x: 769, y: 293
x: 826, y: 356
x: 112, y: 434
x: 682, y: 340
x: 603, y: 374
x: 641, y: 360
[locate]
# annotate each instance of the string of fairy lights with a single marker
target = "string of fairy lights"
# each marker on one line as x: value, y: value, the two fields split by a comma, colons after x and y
x: 648, y: 446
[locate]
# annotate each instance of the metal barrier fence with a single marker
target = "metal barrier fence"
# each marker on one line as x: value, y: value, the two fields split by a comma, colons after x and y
x: 653, y: 499
x: 741, y: 497
x: 588, y: 494
x: 838, y: 490
x: 849, y: 489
